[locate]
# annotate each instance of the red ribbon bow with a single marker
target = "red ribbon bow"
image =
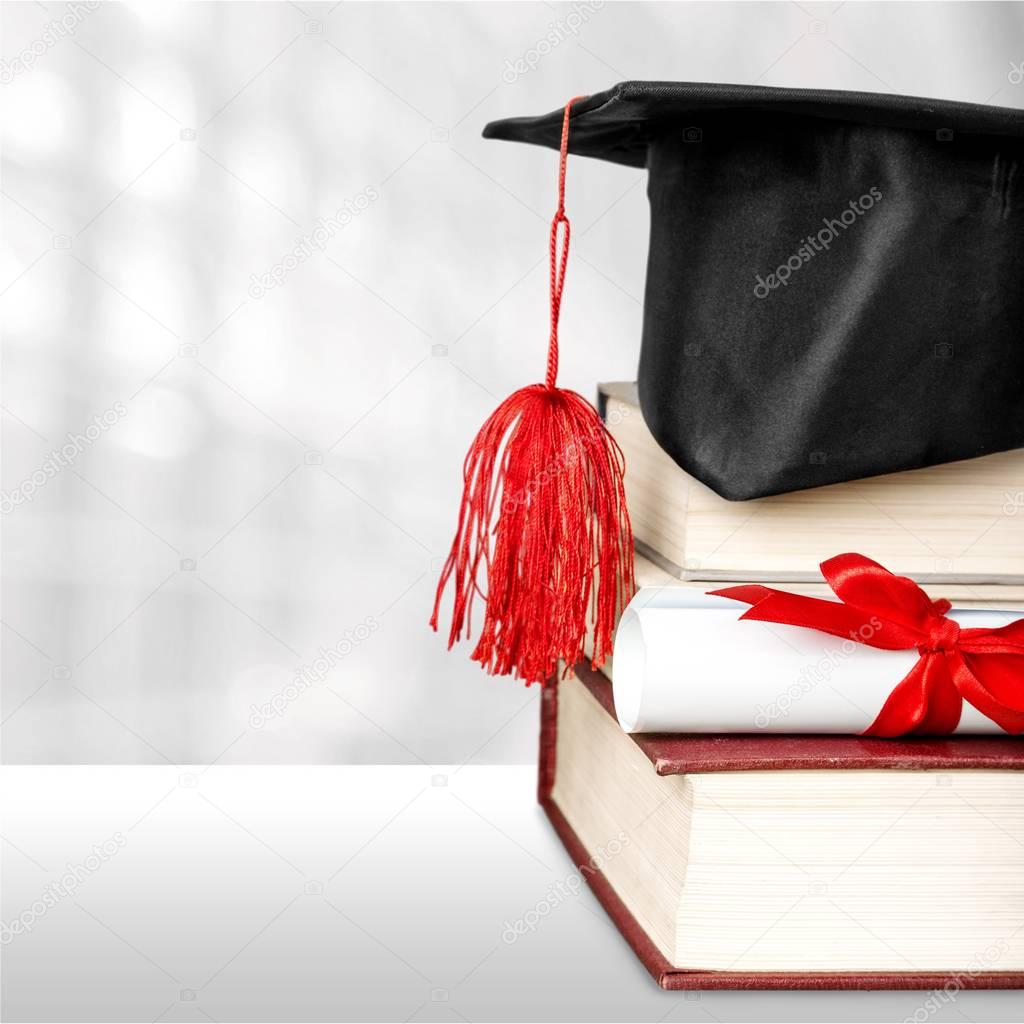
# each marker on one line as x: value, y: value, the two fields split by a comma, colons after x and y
x: 985, y: 667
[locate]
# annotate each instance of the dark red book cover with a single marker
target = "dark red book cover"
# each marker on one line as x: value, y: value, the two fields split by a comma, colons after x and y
x: 677, y: 754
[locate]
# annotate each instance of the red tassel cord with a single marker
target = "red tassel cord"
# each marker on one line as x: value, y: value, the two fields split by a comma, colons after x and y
x: 544, y: 516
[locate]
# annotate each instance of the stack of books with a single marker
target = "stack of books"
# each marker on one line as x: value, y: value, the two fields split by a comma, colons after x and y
x: 802, y: 861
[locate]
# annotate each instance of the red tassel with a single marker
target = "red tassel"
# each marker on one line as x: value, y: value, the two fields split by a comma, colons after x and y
x: 545, y: 479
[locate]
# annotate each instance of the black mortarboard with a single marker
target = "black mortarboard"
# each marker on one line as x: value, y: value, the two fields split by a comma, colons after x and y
x: 835, y: 283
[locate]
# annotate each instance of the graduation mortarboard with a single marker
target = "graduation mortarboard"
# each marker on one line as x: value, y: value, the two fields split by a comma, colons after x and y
x: 835, y: 289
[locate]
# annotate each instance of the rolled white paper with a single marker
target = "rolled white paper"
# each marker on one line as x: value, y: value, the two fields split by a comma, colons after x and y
x: 683, y: 662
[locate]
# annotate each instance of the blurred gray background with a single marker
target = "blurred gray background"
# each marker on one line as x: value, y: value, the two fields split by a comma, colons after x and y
x: 262, y: 280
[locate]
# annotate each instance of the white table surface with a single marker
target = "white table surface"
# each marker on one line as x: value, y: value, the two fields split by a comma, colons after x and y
x: 334, y: 894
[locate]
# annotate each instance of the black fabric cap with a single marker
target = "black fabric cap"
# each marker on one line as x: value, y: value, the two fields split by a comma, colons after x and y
x: 835, y: 282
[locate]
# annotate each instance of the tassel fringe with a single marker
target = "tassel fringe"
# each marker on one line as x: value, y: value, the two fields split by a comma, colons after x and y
x: 545, y: 479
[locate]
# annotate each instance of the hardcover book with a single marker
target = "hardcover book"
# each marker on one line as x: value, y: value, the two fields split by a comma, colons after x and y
x: 960, y: 523
x: 792, y: 862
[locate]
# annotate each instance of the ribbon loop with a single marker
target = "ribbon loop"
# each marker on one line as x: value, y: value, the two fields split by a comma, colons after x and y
x: 985, y: 667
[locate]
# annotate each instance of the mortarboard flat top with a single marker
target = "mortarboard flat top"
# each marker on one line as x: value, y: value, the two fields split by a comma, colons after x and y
x: 617, y: 124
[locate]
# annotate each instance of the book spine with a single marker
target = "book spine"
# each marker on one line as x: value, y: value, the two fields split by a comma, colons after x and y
x: 548, y: 738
